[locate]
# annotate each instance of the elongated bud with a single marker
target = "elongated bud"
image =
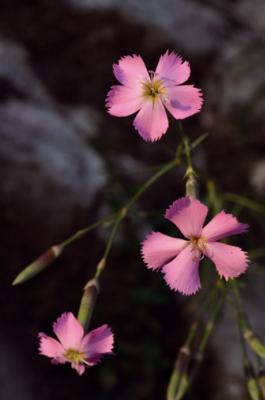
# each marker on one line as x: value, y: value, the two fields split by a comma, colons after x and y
x: 191, y: 184
x: 183, y: 385
x: 179, y: 381
x: 87, y: 304
x: 182, y: 359
x: 252, y: 384
x: 261, y: 380
x: 254, y: 342
x: 253, y: 389
x: 173, y: 384
x: 38, y: 265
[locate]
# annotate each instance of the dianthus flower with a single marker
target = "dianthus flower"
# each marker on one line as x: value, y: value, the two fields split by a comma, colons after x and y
x: 73, y: 346
x: 180, y: 259
x: 151, y: 92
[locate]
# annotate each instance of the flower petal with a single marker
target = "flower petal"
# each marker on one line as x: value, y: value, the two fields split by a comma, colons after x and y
x: 182, y: 273
x: 157, y: 249
x: 131, y: 71
x: 151, y: 121
x: 221, y: 226
x: 69, y: 331
x: 172, y: 69
x: 183, y: 101
x: 97, y: 343
x: 80, y: 368
x: 122, y: 101
x: 50, y: 347
x: 188, y: 214
x: 230, y: 261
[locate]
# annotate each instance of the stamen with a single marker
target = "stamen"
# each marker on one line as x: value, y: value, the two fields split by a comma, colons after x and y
x: 154, y: 88
x: 74, y: 356
x: 88, y: 364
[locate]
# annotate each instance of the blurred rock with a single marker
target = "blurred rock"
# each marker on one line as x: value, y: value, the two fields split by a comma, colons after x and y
x: 46, y: 170
x: 252, y: 13
x: 174, y: 17
x: 16, y: 71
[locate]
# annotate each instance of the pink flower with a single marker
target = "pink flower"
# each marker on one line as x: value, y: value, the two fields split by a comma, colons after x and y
x: 179, y: 258
x: 73, y: 346
x: 150, y: 93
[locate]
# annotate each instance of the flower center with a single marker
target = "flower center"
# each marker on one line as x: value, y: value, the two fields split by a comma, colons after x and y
x: 199, y: 247
x: 154, y: 89
x: 74, y: 356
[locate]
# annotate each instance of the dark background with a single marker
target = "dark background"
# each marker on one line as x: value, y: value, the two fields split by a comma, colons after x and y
x: 64, y: 163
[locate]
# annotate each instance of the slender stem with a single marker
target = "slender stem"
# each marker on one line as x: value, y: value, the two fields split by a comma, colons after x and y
x: 199, y: 354
x: 209, y: 327
x: 167, y: 167
x: 191, y: 184
x: 161, y: 171
x: 187, y: 151
x: 89, y: 296
x: 179, y: 382
x: 198, y: 141
x: 82, y: 232
x: 252, y: 382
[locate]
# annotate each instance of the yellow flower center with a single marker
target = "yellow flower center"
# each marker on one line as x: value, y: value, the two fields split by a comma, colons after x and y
x: 154, y: 89
x: 74, y: 356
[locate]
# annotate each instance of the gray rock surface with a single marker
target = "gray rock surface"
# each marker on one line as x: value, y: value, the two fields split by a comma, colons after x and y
x: 16, y: 70
x: 47, y: 164
x: 175, y: 17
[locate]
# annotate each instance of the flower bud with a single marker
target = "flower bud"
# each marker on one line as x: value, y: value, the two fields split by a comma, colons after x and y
x: 38, y: 265
x: 91, y: 291
x: 261, y: 380
x: 254, y: 342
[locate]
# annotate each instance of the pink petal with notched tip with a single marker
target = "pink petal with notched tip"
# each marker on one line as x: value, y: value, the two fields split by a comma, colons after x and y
x: 230, y: 261
x: 172, y: 69
x: 50, y: 347
x: 182, y: 273
x: 157, y: 249
x: 188, y: 214
x: 221, y: 226
x: 183, y: 101
x: 69, y: 331
x: 97, y: 343
x: 151, y: 122
x: 131, y: 71
x: 122, y: 101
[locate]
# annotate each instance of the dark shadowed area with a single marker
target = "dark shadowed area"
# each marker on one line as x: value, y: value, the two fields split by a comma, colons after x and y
x: 64, y: 163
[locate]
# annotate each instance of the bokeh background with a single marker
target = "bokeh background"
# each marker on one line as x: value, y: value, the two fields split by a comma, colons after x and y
x: 64, y: 163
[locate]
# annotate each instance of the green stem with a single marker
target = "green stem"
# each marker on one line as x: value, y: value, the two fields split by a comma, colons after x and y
x: 82, y: 232
x: 199, y: 354
x: 179, y: 381
x: 55, y: 251
x: 191, y: 184
x: 167, y: 167
x: 209, y: 328
x: 89, y: 297
x: 252, y: 381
